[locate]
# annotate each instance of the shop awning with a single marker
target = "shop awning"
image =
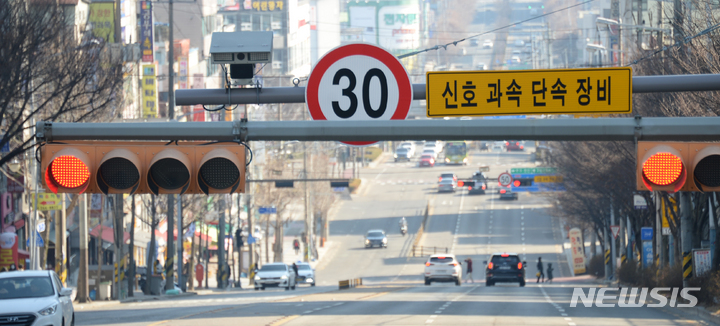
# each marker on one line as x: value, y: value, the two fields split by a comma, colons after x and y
x: 107, y: 234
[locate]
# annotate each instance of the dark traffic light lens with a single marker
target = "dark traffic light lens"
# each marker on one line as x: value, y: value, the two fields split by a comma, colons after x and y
x: 119, y: 173
x: 169, y: 173
x: 219, y: 173
x: 707, y: 171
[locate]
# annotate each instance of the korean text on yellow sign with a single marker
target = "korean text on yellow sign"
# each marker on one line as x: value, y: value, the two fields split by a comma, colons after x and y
x: 548, y: 178
x: 561, y: 91
x: 148, y: 88
x: 47, y: 201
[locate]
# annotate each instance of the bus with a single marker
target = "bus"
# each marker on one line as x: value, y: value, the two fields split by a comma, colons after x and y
x: 455, y: 152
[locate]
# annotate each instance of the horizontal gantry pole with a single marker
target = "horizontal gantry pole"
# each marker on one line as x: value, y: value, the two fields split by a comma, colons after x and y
x: 588, y: 129
x: 641, y: 84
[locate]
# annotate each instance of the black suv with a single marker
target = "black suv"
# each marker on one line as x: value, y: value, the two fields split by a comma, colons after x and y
x: 480, y: 186
x: 504, y: 268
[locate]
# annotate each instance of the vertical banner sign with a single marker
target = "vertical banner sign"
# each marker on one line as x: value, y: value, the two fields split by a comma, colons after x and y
x: 702, y: 262
x: 102, y: 20
x: 149, y: 96
x: 146, y: 31
x: 7, y: 217
x: 8, y: 249
x: 578, y: 254
x: 666, y: 213
x: 647, y: 254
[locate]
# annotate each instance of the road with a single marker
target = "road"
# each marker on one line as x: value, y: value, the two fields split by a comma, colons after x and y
x: 393, y: 291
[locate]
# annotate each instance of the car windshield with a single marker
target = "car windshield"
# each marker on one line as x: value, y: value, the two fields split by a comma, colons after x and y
x: 446, y: 181
x: 505, y: 260
x: 273, y: 268
x: 26, y: 287
x: 303, y: 267
x: 375, y: 234
x: 402, y: 150
x: 426, y: 157
x: 441, y: 259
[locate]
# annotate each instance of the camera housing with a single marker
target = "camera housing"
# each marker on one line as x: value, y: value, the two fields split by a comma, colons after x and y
x: 241, y: 50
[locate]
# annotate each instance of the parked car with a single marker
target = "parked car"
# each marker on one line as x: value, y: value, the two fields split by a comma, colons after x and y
x: 35, y: 298
x: 488, y: 44
x: 275, y: 275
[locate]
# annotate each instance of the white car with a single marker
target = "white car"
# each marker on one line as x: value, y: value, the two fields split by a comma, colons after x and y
x: 410, y: 147
x: 35, y: 298
x: 488, y: 44
x: 443, y: 268
x: 275, y: 275
x: 306, y: 274
x: 429, y: 151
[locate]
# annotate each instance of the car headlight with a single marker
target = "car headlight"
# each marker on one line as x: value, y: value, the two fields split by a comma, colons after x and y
x: 395, y: 155
x: 447, y: 160
x: 284, y: 277
x: 384, y: 240
x: 367, y: 241
x: 49, y: 310
x: 257, y: 277
x: 309, y: 279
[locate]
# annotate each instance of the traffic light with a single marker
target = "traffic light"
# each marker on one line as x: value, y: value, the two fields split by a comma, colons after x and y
x: 466, y: 183
x: 523, y: 182
x: 678, y: 166
x: 144, y: 167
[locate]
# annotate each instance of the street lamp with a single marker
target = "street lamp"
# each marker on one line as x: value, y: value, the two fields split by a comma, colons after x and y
x: 14, y: 165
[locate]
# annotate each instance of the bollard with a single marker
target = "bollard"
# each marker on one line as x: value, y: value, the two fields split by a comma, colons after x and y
x: 687, y: 266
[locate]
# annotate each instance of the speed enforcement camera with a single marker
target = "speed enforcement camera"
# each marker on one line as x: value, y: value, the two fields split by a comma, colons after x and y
x: 241, y: 50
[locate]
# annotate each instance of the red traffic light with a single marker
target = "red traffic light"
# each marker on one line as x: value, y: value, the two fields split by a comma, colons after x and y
x: 69, y: 171
x: 662, y: 168
x: 460, y: 183
x: 516, y: 183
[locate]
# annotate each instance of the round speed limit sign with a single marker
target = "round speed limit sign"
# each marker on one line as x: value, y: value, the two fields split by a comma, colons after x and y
x: 505, y: 179
x: 359, y: 82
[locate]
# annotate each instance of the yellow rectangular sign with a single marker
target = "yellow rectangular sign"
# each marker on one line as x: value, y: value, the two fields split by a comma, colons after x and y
x: 548, y: 178
x: 47, y: 202
x: 513, y: 92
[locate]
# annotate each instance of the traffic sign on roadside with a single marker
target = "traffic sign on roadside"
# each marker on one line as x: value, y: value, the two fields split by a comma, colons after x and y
x: 533, y: 170
x: 615, y: 230
x: 505, y: 92
x: 359, y: 82
x: 548, y: 178
x: 505, y: 179
x: 646, y: 233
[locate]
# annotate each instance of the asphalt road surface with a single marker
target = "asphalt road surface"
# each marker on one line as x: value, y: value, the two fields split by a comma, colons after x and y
x: 393, y: 292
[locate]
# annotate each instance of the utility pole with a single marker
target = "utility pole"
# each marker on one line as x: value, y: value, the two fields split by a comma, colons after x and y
x: 686, y: 236
x: 180, y: 241
x: 82, y: 292
x: 170, y: 252
x: 171, y: 68
x: 659, y: 210
x: 251, y: 246
x: 607, y: 253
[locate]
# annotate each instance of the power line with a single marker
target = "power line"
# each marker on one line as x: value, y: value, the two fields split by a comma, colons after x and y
x: 437, y: 47
x: 677, y: 44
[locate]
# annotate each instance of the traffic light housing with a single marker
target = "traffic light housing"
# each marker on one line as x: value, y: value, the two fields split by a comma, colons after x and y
x: 144, y: 167
x: 678, y: 166
x: 523, y: 182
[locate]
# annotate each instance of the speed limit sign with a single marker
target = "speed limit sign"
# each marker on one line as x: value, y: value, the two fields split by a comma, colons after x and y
x: 505, y: 179
x: 359, y: 82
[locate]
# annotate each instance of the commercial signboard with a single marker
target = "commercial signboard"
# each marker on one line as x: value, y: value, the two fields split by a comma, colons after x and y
x: 146, y: 31
x: 149, y: 92
x: 578, y: 253
x: 102, y: 20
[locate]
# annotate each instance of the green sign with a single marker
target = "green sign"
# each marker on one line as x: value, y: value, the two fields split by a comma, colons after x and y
x: 533, y: 171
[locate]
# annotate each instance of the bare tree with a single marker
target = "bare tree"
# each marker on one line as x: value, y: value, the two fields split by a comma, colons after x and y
x: 48, y: 73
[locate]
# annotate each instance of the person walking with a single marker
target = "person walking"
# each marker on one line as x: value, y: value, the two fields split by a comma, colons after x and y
x: 540, y: 273
x: 296, y: 246
x: 469, y: 270
x: 549, y: 272
x: 295, y: 269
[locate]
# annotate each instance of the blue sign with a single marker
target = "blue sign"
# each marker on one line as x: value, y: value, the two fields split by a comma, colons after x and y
x: 5, y: 148
x: 267, y: 210
x: 646, y: 233
x: 647, y: 253
x: 38, y: 241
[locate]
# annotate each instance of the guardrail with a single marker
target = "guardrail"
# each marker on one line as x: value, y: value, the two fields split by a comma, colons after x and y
x: 421, y: 230
x: 428, y: 250
x: 346, y: 284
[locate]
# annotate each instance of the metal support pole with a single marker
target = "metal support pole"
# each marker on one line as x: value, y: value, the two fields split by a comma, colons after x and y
x: 712, y: 234
x: 613, y: 253
x: 61, y: 242
x: 171, y: 66
x: 659, y: 207
x: 82, y: 284
x: 251, y: 246
x: 221, y: 244
x: 180, y: 242
x: 686, y: 236
x: 170, y: 251
x: 608, y: 260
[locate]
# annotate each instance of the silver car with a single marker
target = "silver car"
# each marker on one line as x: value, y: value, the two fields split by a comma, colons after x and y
x: 447, y: 185
x: 275, y: 275
x: 35, y: 298
x: 306, y: 274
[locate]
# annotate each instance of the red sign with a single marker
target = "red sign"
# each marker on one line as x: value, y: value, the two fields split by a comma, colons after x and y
x: 359, y: 82
x: 615, y: 229
x: 505, y: 179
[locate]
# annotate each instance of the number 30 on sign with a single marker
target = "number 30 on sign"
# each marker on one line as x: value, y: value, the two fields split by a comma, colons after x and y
x: 359, y: 82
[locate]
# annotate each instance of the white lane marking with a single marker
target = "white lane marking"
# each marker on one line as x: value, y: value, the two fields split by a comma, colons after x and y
x: 568, y: 319
x: 433, y: 316
x: 428, y: 321
x: 381, y: 172
x: 564, y: 315
x: 307, y: 312
x: 438, y: 312
x: 571, y: 324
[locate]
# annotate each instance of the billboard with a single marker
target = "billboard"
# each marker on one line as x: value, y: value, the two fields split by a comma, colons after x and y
x: 399, y: 27
x: 578, y: 253
x: 102, y: 20
x: 146, y: 31
x: 149, y: 92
